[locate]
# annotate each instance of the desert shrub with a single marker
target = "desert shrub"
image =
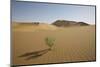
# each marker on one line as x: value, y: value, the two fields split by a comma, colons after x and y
x: 49, y: 41
x: 36, y: 23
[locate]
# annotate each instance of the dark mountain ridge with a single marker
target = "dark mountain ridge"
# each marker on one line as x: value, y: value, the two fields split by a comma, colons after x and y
x: 66, y: 23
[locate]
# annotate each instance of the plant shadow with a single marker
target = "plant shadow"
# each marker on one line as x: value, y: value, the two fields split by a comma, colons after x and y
x: 33, y: 55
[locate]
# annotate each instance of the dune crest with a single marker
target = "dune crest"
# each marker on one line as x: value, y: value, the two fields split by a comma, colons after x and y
x: 32, y: 26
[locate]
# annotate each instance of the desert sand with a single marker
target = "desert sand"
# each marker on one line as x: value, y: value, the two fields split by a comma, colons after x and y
x: 72, y: 44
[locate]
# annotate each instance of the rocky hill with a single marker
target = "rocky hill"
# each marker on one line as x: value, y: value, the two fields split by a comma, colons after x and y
x: 66, y: 23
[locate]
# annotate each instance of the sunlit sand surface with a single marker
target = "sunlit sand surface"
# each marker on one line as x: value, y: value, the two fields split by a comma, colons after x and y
x: 71, y: 44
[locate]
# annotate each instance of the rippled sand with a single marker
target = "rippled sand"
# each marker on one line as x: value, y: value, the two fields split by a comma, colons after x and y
x: 71, y: 44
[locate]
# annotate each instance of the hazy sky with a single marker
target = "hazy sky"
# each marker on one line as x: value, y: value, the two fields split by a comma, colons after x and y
x: 48, y: 13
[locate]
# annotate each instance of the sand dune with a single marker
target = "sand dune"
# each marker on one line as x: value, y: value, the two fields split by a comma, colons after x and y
x: 71, y: 44
x: 33, y: 27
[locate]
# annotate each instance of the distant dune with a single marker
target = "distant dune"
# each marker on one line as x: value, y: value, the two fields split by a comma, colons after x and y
x: 43, y: 26
x: 33, y: 26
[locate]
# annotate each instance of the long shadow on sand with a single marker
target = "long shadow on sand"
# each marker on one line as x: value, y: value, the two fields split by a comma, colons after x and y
x: 33, y: 55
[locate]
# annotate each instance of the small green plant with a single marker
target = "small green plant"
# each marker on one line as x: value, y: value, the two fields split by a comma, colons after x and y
x: 49, y: 41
